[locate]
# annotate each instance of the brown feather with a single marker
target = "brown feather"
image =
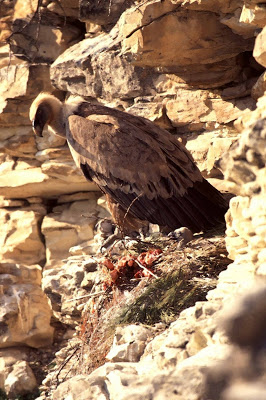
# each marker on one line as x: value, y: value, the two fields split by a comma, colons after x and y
x: 144, y: 169
x: 140, y: 167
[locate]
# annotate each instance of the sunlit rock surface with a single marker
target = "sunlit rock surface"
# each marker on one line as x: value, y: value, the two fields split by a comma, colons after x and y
x: 196, y: 68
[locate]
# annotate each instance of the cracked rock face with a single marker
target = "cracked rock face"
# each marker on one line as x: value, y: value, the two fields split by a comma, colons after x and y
x: 245, y: 167
x: 195, y: 358
x: 20, y: 238
x: 25, y: 313
x: 193, y: 67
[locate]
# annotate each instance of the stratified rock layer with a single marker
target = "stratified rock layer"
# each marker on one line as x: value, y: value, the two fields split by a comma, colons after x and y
x: 175, y: 363
x: 190, y: 67
x: 25, y: 313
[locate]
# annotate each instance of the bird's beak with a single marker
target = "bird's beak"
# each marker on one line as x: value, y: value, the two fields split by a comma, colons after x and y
x: 37, y: 128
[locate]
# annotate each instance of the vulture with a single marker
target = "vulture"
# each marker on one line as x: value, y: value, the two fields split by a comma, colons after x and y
x: 146, y: 174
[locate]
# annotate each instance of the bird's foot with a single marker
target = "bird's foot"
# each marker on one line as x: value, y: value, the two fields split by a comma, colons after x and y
x: 182, y: 236
x: 110, y: 242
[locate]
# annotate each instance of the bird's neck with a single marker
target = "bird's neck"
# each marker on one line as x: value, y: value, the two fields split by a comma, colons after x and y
x: 58, y: 124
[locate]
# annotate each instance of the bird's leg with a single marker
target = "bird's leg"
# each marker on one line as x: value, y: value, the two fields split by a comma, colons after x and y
x: 144, y: 231
x: 120, y: 235
x: 111, y: 240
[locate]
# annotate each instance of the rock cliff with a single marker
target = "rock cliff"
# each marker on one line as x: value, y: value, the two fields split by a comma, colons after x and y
x: 196, y: 68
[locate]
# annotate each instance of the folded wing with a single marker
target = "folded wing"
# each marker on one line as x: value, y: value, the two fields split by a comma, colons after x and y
x: 144, y: 168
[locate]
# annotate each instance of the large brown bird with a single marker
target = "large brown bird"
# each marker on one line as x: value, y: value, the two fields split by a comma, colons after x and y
x: 145, y: 172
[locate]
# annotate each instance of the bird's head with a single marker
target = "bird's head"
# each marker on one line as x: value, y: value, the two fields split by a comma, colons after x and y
x: 45, y: 110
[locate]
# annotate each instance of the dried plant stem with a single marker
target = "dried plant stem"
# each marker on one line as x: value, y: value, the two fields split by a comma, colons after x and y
x: 64, y: 363
x: 128, y: 209
x: 86, y: 295
x: 146, y: 269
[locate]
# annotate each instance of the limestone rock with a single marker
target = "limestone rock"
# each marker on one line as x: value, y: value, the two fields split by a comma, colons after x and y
x: 20, y: 380
x: 19, y: 273
x: 184, y: 64
x: 94, y: 63
x: 81, y: 388
x: 19, y: 85
x: 168, y: 348
x: 69, y: 225
x: 191, y: 107
x: 103, y: 12
x: 220, y: 6
x: 9, y: 357
x: 50, y: 141
x: 123, y: 381
x: 89, y: 247
x: 251, y: 117
x: 253, y: 14
x: 67, y: 285
x: 245, y: 391
x: 88, y: 69
x: 154, y: 111
x: 6, y: 203
x: 52, y: 179
x: 129, y: 343
x: 16, y: 376
x: 198, y: 341
x: 19, y: 144
x: 238, y: 376
x: 259, y: 51
x: 245, y: 240
x: 178, y: 53
x: 44, y: 35
x: 259, y: 88
x: 228, y: 111
x: 79, y: 196
x: 13, y: 83
x: 246, y: 172
x: 69, y: 8
x: 6, y: 12
x: 47, y: 154
x: 238, y: 26
x: 25, y: 313
x: 188, y: 107
x: 208, y: 147
x: 21, y: 239
x: 244, y: 322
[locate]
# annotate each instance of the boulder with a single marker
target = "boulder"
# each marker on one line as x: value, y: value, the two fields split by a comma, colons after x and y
x: 69, y: 225
x: 52, y: 179
x: 188, y: 52
x: 21, y: 380
x: 25, y: 313
x: 40, y: 35
x: 129, y: 343
x: 21, y: 239
x: 92, y: 68
x: 101, y: 12
x: 259, y: 51
x: 20, y: 83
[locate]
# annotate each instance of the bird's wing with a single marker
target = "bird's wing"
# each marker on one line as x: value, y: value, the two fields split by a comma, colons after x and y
x: 143, y: 168
x: 130, y: 155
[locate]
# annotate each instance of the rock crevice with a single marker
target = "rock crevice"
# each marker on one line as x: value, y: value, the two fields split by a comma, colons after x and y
x: 195, y: 68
